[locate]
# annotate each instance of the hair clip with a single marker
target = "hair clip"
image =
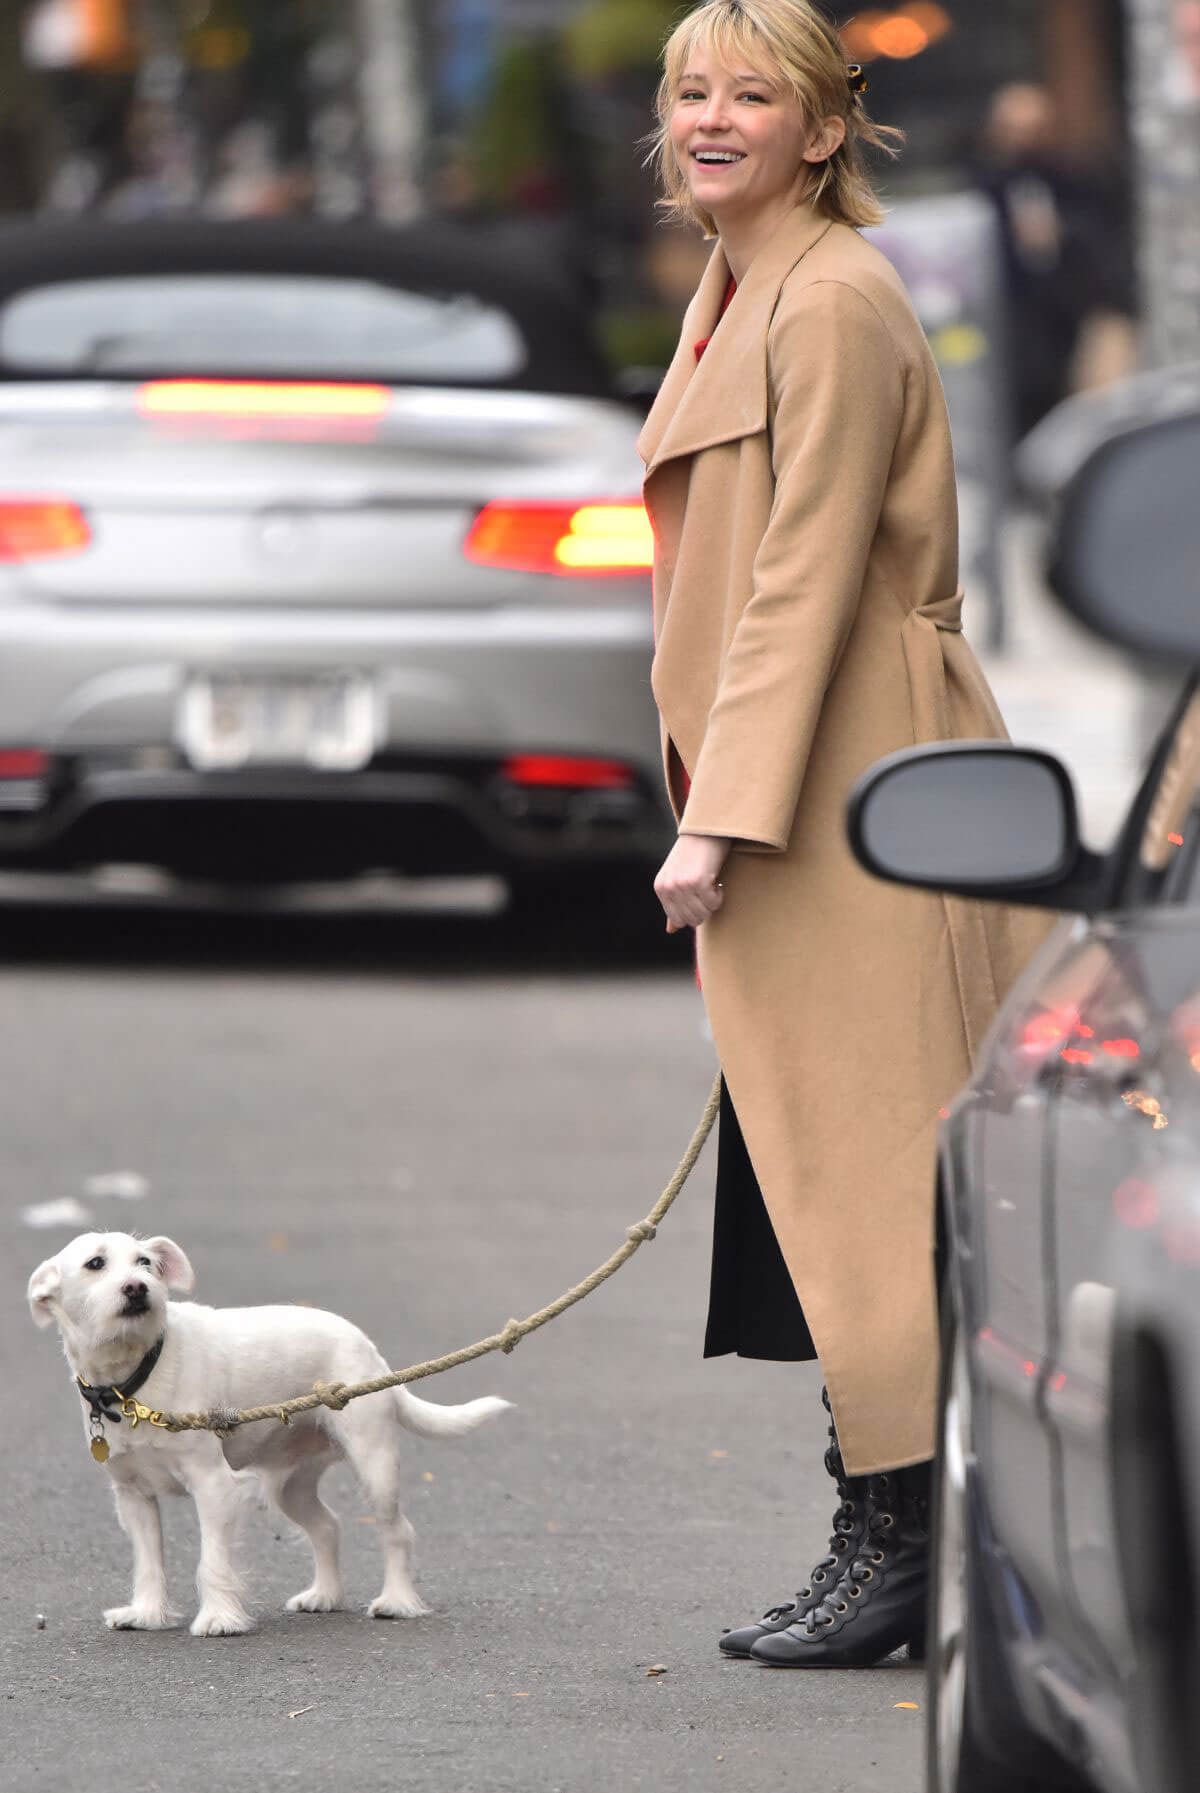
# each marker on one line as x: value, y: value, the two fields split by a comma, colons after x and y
x: 856, y: 78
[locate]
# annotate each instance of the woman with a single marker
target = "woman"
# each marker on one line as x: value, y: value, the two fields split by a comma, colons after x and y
x: 807, y: 621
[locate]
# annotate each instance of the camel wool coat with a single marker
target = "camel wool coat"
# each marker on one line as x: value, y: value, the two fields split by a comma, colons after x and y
x: 807, y: 620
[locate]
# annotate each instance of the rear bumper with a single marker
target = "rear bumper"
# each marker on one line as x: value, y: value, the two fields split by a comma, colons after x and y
x: 459, y: 692
x: 436, y: 819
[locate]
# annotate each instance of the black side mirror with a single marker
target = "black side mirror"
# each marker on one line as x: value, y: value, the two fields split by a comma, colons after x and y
x: 980, y: 819
x: 1126, y: 555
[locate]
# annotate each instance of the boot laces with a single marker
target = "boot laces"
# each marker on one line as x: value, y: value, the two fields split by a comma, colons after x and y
x: 862, y: 1570
x: 844, y: 1526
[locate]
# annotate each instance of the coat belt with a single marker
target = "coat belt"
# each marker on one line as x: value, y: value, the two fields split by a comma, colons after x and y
x: 935, y: 651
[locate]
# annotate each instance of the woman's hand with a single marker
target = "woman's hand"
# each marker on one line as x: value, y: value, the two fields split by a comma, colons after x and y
x: 686, y: 884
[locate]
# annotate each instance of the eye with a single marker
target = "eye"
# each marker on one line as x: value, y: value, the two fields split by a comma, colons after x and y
x: 94, y: 1264
x: 144, y: 1260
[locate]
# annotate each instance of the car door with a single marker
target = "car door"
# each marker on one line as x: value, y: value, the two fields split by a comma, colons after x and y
x: 1007, y: 1167
x: 1115, y: 1131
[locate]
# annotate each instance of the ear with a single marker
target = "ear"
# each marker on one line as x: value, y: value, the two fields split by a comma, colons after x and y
x: 826, y: 139
x: 172, y: 1263
x: 44, y: 1285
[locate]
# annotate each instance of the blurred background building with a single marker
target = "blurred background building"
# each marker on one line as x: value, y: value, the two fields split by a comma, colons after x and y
x: 515, y: 110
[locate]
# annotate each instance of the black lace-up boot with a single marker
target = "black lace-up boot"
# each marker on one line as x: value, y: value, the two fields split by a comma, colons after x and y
x: 879, y: 1602
x: 849, y: 1530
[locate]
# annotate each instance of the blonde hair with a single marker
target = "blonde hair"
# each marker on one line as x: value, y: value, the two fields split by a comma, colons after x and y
x: 795, y: 41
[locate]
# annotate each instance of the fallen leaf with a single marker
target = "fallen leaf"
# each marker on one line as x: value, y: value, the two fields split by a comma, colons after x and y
x: 520, y: 1696
x: 427, y: 1475
x: 716, y: 1454
x: 660, y: 1668
x: 278, y: 1242
x: 300, y: 1711
x: 906, y: 1706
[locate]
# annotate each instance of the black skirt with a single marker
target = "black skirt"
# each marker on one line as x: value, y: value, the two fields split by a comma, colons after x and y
x: 753, y: 1307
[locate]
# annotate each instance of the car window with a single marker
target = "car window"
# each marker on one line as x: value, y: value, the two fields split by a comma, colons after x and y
x: 266, y: 324
x: 1169, y: 852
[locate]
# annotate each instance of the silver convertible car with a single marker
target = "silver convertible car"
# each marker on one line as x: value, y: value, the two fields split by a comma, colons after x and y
x: 321, y: 551
x: 1065, y: 1624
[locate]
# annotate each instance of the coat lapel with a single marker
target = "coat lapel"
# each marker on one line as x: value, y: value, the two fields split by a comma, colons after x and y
x: 725, y: 395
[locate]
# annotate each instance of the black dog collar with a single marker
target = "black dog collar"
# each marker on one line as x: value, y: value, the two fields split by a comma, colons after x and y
x: 105, y: 1400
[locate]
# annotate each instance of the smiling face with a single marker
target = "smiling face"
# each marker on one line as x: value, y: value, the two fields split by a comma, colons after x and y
x: 741, y: 139
x: 108, y: 1288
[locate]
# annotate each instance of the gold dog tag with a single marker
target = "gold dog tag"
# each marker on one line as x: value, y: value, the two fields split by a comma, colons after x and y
x: 100, y: 1449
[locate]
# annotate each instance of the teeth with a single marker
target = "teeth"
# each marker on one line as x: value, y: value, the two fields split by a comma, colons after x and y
x: 714, y: 156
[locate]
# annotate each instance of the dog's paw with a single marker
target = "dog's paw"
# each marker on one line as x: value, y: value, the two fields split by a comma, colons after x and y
x: 316, y: 1599
x: 391, y: 1606
x: 141, y: 1618
x: 221, y: 1621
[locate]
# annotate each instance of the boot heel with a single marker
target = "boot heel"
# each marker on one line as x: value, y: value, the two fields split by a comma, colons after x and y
x: 916, y: 1646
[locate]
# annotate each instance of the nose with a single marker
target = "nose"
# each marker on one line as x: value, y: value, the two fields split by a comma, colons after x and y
x: 133, y: 1287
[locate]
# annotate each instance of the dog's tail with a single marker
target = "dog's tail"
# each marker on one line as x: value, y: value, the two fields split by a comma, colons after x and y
x: 432, y: 1421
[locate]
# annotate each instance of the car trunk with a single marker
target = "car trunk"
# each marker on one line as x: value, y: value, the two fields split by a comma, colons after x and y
x: 310, y: 508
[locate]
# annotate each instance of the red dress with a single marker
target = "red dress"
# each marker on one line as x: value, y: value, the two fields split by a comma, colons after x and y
x: 700, y: 348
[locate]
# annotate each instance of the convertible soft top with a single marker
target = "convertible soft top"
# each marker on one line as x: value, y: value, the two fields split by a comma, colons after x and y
x: 435, y: 258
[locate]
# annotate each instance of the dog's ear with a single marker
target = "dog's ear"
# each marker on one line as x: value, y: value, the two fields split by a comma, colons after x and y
x: 44, y: 1285
x: 172, y: 1263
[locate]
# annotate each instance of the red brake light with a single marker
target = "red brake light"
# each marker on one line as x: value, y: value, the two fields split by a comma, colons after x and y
x: 566, y: 769
x: 32, y: 527
x: 23, y: 762
x: 571, y: 540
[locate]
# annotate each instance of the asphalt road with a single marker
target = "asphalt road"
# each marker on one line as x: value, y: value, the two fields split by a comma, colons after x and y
x: 427, y: 1125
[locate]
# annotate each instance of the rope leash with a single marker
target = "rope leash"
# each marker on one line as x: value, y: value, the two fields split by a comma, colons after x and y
x: 224, y: 1420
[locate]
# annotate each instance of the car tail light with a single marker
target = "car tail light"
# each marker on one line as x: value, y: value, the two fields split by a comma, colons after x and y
x: 571, y: 540
x: 24, y: 778
x: 33, y: 527
x: 566, y: 769
x: 23, y: 762
x: 294, y: 409
x: 260, y: 398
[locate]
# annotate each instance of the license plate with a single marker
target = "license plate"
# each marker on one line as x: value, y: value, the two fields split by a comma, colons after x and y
x: 325, y: 722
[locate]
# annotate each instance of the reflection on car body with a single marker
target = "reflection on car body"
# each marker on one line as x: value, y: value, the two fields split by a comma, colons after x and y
x: 1066, y: 1608
x: 321, y: 550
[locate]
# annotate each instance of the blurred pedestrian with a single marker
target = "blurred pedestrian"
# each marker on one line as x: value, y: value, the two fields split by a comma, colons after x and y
x: 1067, y: 255
x: 807, y: 621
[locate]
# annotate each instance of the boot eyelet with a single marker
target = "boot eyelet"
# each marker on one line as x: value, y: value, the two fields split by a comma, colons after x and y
x: 877, y: 1556
x: 826, y: 1618
x: 887, y: 1520
x: 868, y: 1574
x: 840, y: 1606
x: 854, y: 1593
x: 818, y: 1576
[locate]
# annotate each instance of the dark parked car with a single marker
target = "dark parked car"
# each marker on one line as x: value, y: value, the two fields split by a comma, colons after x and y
x: 1065, y: 1630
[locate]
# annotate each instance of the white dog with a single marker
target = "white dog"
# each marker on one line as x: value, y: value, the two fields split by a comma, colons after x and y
x: 108, y: 1293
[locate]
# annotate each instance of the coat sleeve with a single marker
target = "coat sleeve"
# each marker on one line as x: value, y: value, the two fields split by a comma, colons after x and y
x: 838, y: 388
